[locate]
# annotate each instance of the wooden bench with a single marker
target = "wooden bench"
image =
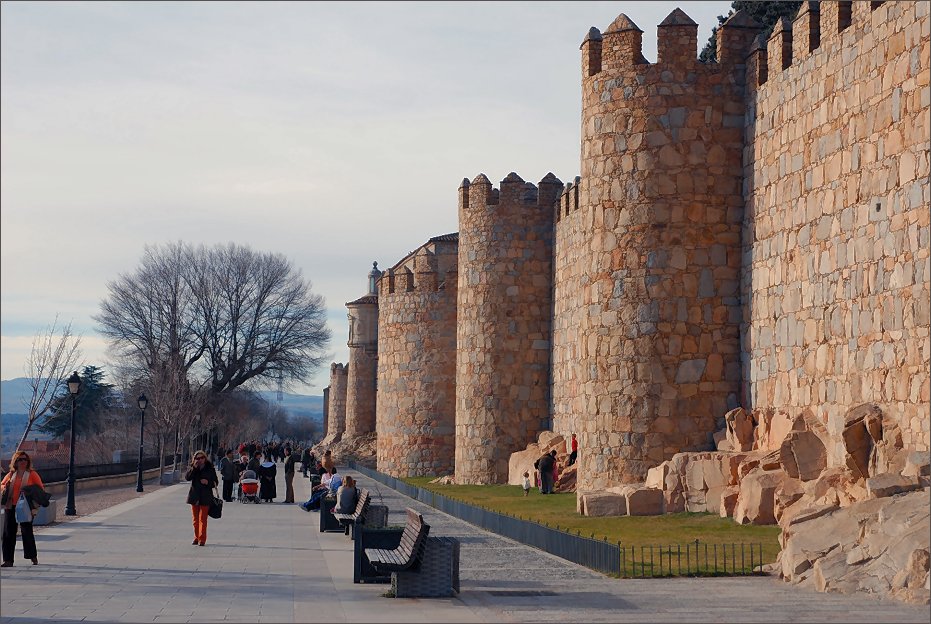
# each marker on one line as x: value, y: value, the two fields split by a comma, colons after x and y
x: 362, y: 505
x: 409, y: 552
x: 365, y: 537
x: 327, y: 521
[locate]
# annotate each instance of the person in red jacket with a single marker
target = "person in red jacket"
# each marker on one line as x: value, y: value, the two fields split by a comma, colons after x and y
x: 18, y: 480
x: 574, y: 447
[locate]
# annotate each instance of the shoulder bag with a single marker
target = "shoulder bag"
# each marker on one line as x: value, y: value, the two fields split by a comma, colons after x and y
x: 216, y: 506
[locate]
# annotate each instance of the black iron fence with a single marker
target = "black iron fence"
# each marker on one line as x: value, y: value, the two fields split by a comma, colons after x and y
x: 691, y: 559
x: 87, y: 471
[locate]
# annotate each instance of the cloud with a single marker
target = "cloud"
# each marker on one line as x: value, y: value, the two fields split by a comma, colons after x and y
x: 335, y: 133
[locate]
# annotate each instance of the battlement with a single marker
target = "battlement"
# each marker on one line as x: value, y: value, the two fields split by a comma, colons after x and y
x: 568, y: 200
x: 621, y: 44
x: 337, y: 368
x: 816, y: 26
x: 403, y: 280
x: 816, y: 23
x: 512, y: 191
x: 427, y: 269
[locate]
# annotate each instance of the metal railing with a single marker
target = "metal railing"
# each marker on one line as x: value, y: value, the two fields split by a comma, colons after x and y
x: 691, y: 559
x: 87, y: 471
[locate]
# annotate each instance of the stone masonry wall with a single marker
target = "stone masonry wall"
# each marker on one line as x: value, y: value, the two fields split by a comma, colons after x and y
x: 646, y: 354
x: 504, y: 311
x: 417, y: 363
x: 836, y: 231
x: 361, y: 382
x: 326, y: 410
x: 336, y: 415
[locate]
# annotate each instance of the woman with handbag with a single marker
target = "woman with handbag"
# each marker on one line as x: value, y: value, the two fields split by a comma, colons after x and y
x: 19, y: 510
x: 203, y: 478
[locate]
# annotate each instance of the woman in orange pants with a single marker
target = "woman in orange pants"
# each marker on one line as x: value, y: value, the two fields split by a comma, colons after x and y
x: 203, y: 478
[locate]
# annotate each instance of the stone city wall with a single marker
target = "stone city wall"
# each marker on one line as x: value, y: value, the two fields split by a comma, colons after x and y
x: 416, y: 408
x: 836, y: 231
x: 363, y: 366
x: 504, y: 312
x: 326, y: 410
x: 336, y: 414
x: 361, y: 386
x: 646, y: 355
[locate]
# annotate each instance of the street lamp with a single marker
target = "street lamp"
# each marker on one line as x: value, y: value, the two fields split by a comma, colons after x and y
x: 142, y: 404
x: 74, y: 386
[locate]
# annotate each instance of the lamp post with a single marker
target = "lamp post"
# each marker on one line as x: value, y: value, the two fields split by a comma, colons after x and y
x: 74, y: 386
x: 142, y: 404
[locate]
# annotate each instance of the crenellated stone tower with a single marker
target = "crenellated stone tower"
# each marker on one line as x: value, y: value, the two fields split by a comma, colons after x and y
x: 326, y: 411
x: 646, y: 351
x: 361, y: 382
x: 416, y: 411
x: 504, y: 311
x: 336, y: 409
x: 749, y: 232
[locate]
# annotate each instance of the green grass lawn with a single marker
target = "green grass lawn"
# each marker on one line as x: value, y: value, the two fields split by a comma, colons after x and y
x: 633, y: 532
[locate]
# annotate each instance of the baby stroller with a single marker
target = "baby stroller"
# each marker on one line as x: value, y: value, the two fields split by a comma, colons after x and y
x: 249, y: 488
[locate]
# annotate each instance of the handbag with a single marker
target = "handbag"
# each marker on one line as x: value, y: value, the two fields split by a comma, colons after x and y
x: 215, y: 510
x: 23, y: 511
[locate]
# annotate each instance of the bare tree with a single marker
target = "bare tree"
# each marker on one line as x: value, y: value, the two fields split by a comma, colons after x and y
x: 150, y: 319
x: 260, y: 318
x: 189, y: 320
x: 51, y: 358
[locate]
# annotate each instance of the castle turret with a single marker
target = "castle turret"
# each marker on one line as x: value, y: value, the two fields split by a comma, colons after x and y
x: 326, y: 411
x: 646, y: 323
x: 363, y: 360
x: 416, y: 410
x: 336, y: 412
x: 503, y: 338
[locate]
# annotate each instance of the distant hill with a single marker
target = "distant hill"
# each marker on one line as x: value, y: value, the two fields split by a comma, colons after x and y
x: 14, y: 392
x: 299, y: 405
x: 13, y: 395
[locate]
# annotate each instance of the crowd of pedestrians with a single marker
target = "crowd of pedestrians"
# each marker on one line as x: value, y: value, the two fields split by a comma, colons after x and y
x: 251, y: 462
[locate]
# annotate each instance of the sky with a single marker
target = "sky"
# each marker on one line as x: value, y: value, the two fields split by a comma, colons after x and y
x: 336, y: 134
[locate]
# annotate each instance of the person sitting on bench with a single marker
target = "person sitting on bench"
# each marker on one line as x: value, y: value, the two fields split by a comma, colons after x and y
x: 346, y: 497
x: 319, y: 492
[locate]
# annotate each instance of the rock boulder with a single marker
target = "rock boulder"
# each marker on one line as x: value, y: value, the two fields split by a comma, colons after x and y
x: 756, y: 503
x: 890, y: 484
x: 642, y: 500
x: 877, y: 546
x: 739, y: 432
x: 603, y: 504
x: 803, y: 455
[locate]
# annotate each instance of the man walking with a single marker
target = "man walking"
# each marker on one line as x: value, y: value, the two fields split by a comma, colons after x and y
x: 305, y: 460
x: 228, y: 471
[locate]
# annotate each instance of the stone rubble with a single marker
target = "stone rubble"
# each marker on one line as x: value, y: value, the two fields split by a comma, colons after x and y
x: 859, y: 526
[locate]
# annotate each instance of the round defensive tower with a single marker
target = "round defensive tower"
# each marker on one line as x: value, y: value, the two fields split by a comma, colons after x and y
x: 503, y: 344
x: 336, y: 414
x: 647, y: 272
x: 416, y: 408
x: 361, y: 381
x: 326, y: 411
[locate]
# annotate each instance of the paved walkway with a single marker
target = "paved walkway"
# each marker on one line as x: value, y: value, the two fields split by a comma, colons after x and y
x: 268, y: 563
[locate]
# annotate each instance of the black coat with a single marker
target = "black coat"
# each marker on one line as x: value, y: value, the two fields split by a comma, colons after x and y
x: 201, y: 494
x: 267, y: 487
x: 228, y: 469
x: 289, y: 464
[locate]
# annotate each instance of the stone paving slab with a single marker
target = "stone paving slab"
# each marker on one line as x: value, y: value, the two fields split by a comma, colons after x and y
x: 269, y: 563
